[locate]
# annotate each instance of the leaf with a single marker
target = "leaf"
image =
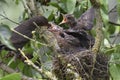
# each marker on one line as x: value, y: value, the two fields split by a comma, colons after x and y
x: 17, y: 2
x: 5, y: 34
x: 55, y: 5
x: 115, y: 72
x: 13, y: 76
x: 47, y: 65
x: 51, y: 16
x: 27, y: 70
x: 111, y: 29
x: 115, y: 66
x: 78, y: 11
x: 3, y: 1
x: 68, y: 6
x: 118, y: 7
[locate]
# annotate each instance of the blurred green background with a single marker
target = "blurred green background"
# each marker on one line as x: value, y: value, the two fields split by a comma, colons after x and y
x: 52, y: 9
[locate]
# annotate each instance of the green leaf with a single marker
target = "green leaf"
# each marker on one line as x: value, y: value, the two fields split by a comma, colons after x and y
x: 17, y: 2
x: 13, y: 76
x: 118, y: 9
x: 51, y: 16
x: 115, y: 71
x: 3, y: 1
x: 27, y: 70
x: 5, y: 34
x: 68, y: 5
x: 55, y: 5
x: 78, y: 11
x: 115, y: 66
x: 47, y: 65
x: 111, y: 29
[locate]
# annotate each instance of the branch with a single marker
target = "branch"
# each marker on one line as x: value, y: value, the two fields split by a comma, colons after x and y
x: 26, y: 8
x: 32, y: 4
x: 114, y: 23
x: 99, y: 25
x: 99, y: 35
x: 40, y: 70
x: 28, y: 38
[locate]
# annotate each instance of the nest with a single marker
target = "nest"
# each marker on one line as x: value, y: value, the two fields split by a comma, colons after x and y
x: 75, y: 59
x: 85, y: 64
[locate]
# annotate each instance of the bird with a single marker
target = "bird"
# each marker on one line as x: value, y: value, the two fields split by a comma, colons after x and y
x: 25, y: 28
x: 85, y: 22
x: 71, y: 42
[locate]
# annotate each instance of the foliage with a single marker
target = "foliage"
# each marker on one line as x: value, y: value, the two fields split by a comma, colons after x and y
x: 5, y: 34
x: 14, y: 76
x: 52, y: 11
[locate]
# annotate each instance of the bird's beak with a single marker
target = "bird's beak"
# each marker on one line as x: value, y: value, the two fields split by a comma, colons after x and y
x: 63, y: 21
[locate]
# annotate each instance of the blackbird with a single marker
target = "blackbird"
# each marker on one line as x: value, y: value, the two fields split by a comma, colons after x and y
x: 71, y: 42
x: 86, y: 40
x: 26, y: 29
x: 85, y: 22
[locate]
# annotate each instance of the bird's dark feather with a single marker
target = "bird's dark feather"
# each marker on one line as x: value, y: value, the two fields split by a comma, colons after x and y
x: 86, y: 20
x: 26, y: 28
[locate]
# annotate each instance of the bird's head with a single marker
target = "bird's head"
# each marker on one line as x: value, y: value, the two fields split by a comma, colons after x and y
x: 68, y: 19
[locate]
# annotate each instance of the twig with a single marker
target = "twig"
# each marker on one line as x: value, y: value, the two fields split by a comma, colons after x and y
x: 99, y: 35
x: 114, y: 23
x: 29, y: 38
x: 29, y: 62
x: 99, y: 24
x: 32, y: 4
x: 26, y: 8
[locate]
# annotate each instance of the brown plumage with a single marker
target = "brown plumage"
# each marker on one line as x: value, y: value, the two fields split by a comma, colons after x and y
x: 85, y: 21
x: 71, y: 42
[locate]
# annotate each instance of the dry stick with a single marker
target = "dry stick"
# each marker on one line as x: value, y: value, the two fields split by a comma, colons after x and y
x: 7, y: 69
x: 29, y: 62
x: 75, y: 57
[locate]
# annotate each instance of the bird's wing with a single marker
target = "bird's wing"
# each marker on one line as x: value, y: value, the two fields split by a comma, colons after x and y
x: 86, y: 40
x: 86, y: 20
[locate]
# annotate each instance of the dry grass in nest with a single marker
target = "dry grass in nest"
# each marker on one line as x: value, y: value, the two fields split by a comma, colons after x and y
x: 82, y: 64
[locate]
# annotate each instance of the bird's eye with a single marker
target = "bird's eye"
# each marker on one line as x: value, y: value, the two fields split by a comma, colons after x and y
x: 68, y: 17
x: 62, y: 35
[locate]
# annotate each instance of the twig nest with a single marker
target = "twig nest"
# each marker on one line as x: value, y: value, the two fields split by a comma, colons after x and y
x: 83, y: 64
